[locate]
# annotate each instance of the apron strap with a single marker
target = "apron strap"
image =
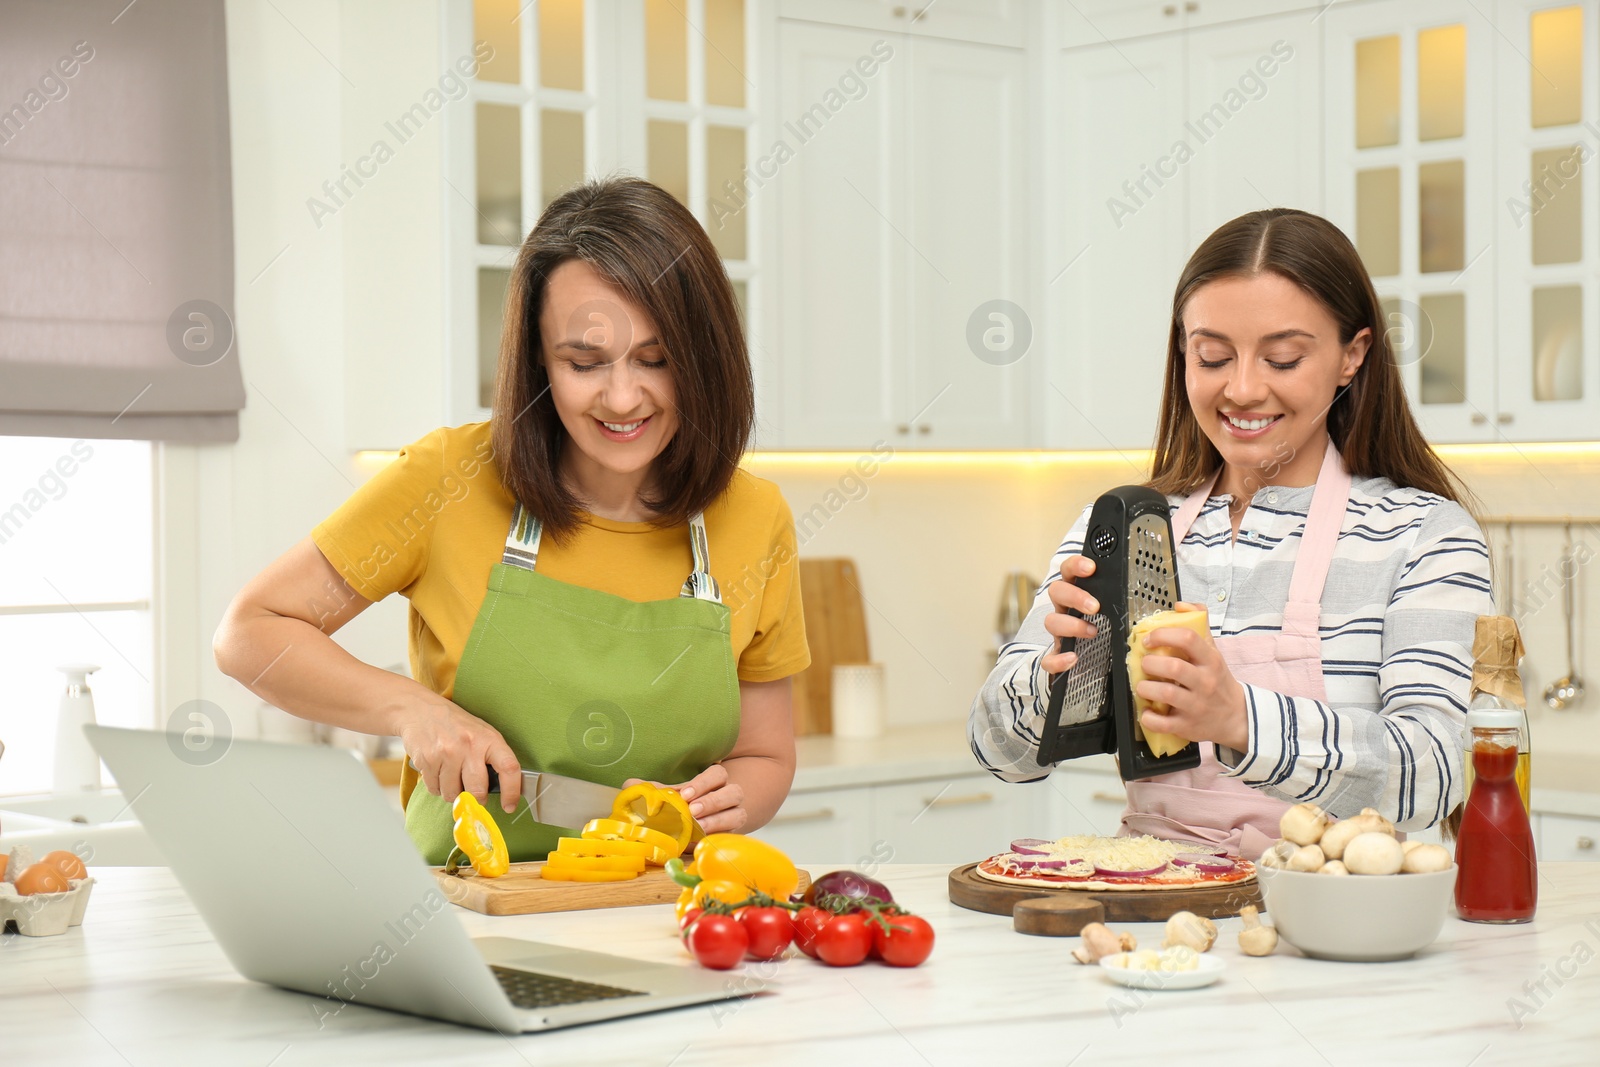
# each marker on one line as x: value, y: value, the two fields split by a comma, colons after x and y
x: 522, y: 550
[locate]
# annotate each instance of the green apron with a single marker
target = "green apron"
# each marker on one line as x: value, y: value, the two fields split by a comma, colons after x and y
x: 590, y: 685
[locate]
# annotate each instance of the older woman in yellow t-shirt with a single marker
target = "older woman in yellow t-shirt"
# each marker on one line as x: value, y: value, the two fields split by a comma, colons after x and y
x: 596, y: 588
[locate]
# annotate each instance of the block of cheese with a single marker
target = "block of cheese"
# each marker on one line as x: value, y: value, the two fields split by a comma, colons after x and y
x: 1160, y: 744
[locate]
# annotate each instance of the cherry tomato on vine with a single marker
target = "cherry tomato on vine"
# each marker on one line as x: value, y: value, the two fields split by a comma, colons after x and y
x: 717, y: 941
x: 808, y: 923
x: 907, y: 942
x: 770, y: 929
x: 686, y: 921
x: 845, y: 941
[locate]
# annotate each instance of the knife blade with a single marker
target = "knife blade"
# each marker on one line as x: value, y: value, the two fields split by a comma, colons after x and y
x: 557, y: 800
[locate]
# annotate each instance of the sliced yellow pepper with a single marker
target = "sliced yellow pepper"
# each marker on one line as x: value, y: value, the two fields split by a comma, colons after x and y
x: 478, y: 835
x: 564, y: 874
x: 665, y: 848
x: 595, y: 863
x: 578, y: 846
x: 657, y: 808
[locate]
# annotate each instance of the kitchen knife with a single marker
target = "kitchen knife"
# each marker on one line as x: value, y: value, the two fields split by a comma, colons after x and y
x: 557, y: 800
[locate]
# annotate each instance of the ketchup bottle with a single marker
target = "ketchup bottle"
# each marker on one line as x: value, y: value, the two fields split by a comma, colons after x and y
x: 1497, y: 877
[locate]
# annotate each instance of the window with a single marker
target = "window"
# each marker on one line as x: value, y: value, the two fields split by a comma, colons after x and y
x: 76, y: 572
x: 558, y: 102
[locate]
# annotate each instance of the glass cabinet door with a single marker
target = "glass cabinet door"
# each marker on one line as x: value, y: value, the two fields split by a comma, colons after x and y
x: 1549, y: 373
x: 1410, y: 155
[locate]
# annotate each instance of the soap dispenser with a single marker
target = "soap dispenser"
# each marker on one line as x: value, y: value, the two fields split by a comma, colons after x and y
x: 77, y: 763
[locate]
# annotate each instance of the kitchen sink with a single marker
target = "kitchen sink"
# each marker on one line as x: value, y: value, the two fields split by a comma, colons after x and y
x: 100, y: 827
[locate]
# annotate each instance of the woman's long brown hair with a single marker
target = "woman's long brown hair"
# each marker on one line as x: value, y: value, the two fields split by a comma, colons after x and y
x: 1370, y: 421
x: 655, y: 253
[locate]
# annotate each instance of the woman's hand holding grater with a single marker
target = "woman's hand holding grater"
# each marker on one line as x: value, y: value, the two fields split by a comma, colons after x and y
x: 1068, y: 597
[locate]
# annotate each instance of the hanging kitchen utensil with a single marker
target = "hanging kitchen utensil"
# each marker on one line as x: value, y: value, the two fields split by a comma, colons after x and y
x: 1508, y: 601
x: 1091, y: 708
x: 1567, y: 691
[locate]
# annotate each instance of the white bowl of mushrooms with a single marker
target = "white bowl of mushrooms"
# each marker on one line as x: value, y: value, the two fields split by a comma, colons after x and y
x: 1350, y: 890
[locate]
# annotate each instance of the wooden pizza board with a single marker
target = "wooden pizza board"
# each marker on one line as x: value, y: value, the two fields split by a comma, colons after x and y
x: 970, y: 891
x: 523, y: 891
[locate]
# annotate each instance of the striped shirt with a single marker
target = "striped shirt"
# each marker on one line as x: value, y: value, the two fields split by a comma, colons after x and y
x: 1409, y: 577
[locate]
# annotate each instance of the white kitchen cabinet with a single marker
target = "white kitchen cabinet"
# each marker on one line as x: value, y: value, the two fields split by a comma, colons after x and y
x: 828, y: 825
x: 952, y: 821
x: 1162, y: 139
x: 1568, y: 837
x: 901, y: 214
x: 1000, y: 22
x: 1093, y: 22
x: 1085, y: 802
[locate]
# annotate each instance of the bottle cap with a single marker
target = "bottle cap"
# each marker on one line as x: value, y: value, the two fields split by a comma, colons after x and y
x: 1495, y: 719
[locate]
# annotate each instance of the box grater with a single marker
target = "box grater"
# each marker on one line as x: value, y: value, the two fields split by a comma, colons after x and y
x: 1091, y: 707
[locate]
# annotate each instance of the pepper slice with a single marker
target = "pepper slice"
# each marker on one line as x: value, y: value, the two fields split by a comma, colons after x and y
x: 567, y: 861
x: 579, y: 846
x: 664, y: 848
x: 562, y: 874
x: 478, y: 835
x: 657, y: 808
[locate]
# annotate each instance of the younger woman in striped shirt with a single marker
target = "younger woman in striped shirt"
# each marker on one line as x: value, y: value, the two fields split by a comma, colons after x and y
x: 1341, y: 573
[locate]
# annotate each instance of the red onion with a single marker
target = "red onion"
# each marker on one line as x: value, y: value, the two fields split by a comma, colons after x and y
x: 1030, y: 863
x: 1204, y: 861
x: 850, y: 884
x: 1105, y: 872
x: 1031, y: 846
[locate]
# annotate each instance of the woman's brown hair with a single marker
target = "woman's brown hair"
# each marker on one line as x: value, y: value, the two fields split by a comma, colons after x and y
x: 648, y: 246
x: 1370, y: 421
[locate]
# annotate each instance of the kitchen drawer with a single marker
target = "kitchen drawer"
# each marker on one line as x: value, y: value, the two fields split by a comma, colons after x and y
x: 829, y: 827
x: 953, y: 820
x: 1568, y: 837
x: 1085, y: 802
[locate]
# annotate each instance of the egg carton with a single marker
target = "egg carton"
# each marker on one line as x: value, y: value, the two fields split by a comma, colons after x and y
x: 42, y: 914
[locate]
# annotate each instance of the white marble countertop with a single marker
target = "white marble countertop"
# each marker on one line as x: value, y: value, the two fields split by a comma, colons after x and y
x: 143, y: 983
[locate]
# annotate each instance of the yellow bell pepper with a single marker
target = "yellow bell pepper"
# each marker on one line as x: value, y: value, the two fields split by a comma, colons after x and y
x: 579, y: 846
x: 664, y: 847
x: 747, y: 862
x: 730, y: 893
x: 478, y: 835
x: 566, y: 860
x: 657, y: 808
x: 563, y: 874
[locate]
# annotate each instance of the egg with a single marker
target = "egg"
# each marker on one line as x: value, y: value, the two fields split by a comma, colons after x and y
x: 67, y: 863
x: 41, y: 878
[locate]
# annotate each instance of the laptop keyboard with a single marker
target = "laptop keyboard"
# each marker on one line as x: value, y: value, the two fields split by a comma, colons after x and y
x: 529, y: 989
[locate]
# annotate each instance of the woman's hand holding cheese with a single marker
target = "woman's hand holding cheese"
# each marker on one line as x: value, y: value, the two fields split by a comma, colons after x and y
x: 1204, y: 700
x: 1066, y: 595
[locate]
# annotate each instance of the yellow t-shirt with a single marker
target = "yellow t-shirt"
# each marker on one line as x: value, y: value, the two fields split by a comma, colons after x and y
x: 431, y: 524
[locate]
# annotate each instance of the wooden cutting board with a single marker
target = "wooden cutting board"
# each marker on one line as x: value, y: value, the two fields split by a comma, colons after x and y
x: 836, y: 630
x: 522, y: 891
x: 970, y: 891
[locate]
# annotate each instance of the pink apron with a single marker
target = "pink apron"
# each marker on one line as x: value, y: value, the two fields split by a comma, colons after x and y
x: 1202, y: 805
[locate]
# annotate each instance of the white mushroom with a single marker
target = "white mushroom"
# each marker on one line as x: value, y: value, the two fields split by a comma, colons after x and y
x: 1374, y: 813
x: 1276, y: 856
x: 1407, y: 846
x: 1255, y: 939
x: 1425, y: 859
x: 1191, y: 931
x: 1336, y: 837
x: 1373, y: 853
x: 1096, y: 940
x: 1333, y: 867
x: 1303, y: 824
x: 1306, y: 858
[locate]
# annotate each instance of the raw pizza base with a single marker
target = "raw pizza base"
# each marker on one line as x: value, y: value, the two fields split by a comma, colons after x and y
x: 1098, y: 886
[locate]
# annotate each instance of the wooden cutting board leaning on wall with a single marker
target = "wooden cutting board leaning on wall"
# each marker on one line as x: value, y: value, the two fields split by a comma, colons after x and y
x: 836, y: 630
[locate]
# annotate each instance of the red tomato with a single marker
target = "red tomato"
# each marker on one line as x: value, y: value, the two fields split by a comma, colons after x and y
x: 770, y: 929
x: 808, y: 923
x: 907, y: 943
x: 718, y: 941
x: 845, y: 941
x: 687, y: 921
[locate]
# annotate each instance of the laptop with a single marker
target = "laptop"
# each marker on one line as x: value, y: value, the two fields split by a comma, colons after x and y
x: 307, y: 879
